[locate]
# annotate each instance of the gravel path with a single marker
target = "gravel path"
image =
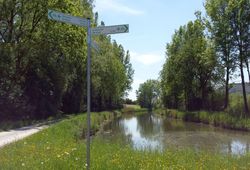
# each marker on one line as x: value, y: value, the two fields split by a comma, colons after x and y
x: 17, y: 134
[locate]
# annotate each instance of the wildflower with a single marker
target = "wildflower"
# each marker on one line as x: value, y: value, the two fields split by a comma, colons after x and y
x: 66, y: 153
x: 58, y: 156
x: 42, y: 163
x: 23, y: 164
x: 48, y: 148
x: 77, y: 159
x: 73, y: 149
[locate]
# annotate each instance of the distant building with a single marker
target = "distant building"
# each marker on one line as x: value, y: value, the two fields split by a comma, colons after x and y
x: 237, y: 88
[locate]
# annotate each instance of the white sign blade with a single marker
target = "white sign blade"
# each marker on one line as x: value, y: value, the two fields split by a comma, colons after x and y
x: 61, y: 17
x: 115, y: 29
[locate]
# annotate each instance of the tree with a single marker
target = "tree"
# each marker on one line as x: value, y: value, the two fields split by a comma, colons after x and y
x: 129, y: 72
x: 148, y: 94
x: 239, y: 22
x: 219, y: 26
x: 189, y: 71
x: 43, y: 62
x: 112, y: 76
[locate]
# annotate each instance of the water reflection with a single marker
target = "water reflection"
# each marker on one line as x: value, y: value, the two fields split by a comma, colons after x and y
x: 153, y: 132
x: 142, y: 137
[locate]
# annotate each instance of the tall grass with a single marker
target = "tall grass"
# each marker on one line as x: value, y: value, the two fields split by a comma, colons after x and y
x: 221, y: 119
x: 232, y: 118
x: 236, y: 104
x: 133, y: 109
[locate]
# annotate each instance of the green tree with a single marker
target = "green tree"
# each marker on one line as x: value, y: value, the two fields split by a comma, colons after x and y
x: 188, y: 74
x: 222, y: 34
x: 239, y: 22
x: 43, y: 62
x: 148, y: 94
x: 230, y: 30
x: 111, y: 75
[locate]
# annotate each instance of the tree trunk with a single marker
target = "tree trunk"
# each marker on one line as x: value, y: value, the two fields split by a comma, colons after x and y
x: 186, y: 100
x: 229, y: 147
x: 248, y: 71
x: 243, y: 82
x: 227, y: 89
x: 242, y: 58
x: 203, y: 98
x: 11, y: 27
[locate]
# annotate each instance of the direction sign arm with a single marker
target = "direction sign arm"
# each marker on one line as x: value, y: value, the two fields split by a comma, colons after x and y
x: 61, y: 17
x: 114, y: 29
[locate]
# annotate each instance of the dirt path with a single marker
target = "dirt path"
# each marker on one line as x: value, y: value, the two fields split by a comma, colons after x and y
x: 17, y: 134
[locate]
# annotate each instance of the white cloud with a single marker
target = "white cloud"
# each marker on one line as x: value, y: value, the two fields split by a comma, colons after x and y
x: 114, y: 6
x: 147, y: 59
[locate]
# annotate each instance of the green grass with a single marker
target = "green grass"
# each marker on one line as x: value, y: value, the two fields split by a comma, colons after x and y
x: 132, y: 109
x: 13, y: 124
x: 221, y: 119
x: 61, y: 147
x: 236, y: 104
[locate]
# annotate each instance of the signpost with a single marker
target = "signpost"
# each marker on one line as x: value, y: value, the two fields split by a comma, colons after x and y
x: 83, y: 22
x: 114, y: 29
x: 61, y: 17
x: 95, y: 46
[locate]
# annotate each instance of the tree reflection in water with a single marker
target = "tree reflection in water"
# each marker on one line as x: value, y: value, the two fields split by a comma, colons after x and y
x: 152, y: 132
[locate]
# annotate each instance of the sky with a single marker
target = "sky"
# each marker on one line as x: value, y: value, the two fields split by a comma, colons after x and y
x: 151, y: 26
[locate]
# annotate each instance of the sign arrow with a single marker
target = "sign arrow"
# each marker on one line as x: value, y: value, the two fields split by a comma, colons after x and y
x: 61, y: 17
x: 114, y: 29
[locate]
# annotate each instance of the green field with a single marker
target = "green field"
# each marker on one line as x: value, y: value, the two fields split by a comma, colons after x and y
x: 62, y: 146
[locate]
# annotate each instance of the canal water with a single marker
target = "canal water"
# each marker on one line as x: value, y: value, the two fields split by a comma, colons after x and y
x: 153, y: 132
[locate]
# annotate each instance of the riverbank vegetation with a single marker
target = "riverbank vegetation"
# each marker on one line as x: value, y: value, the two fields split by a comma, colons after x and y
x: 43, y: 62
x: 62, y: 146
x: 133, y: 109
x: 201, y: 60
x: 203, y: 55
x: 221, y: 119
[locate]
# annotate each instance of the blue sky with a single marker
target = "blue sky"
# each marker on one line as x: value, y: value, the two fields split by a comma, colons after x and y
x: 152, y: 24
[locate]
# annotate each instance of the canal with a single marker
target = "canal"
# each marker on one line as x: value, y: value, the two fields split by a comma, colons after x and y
x: 153, y: 132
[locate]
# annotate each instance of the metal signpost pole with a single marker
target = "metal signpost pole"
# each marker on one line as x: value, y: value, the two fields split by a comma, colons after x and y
x: 114, y: 29
x: 88, y: 93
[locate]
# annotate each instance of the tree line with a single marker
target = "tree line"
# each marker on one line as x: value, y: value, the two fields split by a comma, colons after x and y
x: 204, y: 54
x: 43, y: 62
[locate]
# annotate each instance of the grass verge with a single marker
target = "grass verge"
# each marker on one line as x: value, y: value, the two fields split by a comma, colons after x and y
x: 221, y: 119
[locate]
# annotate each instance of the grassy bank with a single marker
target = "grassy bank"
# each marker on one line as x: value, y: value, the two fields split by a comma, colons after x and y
x: 62, y: 147
x: 221, y: 119
x: 14, y: 124
x: 133, y: 109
